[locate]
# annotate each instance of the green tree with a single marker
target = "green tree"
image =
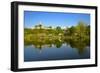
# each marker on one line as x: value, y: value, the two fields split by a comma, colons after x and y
x: 58, y: 30
x: 50, y: 27
x: 80, y: 29
x: 40, y: 26
x: 88, y: 30
x: 70, y: 31
x: 35, y: 26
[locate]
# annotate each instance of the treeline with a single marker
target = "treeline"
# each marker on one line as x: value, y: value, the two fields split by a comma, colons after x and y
x: 79, y: 32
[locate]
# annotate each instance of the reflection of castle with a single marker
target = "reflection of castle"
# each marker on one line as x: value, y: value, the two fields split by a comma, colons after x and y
x: 41, y: 47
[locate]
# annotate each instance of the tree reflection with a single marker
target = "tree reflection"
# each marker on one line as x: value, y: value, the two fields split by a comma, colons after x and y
x: 78, y: 44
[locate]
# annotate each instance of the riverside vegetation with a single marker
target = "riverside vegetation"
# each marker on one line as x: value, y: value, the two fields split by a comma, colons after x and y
x: 76, y: 36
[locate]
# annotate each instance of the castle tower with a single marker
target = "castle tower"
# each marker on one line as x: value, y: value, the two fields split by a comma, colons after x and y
x: 39, y: 25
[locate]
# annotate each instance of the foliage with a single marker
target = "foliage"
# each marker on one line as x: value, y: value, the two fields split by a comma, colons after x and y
x: 80, y: 32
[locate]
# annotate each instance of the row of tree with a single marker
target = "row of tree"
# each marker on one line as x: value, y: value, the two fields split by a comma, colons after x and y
x: 80, y: 31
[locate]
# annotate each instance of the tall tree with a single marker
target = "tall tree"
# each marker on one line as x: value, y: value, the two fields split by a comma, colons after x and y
x: 81, y: 29
x: 58, y: 30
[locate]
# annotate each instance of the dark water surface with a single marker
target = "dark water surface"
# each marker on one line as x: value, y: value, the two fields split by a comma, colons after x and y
x: 58, y: 51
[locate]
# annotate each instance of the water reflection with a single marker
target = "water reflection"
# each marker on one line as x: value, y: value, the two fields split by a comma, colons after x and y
x: 79, y: 44
x: 58, y: 49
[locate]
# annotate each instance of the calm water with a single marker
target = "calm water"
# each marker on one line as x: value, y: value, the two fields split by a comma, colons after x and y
x: 58, y: 51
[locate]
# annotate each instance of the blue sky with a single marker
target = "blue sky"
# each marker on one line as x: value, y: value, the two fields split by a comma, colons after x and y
x: 54, y: 19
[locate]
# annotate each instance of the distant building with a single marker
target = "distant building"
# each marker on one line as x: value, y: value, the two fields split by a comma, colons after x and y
x: 38, y: 26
